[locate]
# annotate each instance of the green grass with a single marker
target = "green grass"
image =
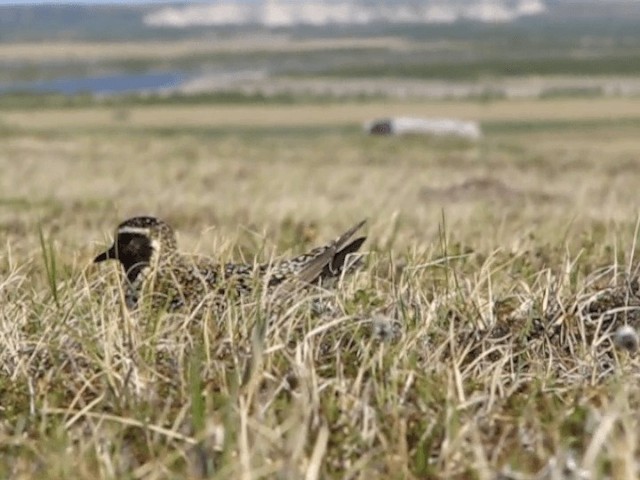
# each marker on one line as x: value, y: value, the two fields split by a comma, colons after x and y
x: 430, y: 362
x: 22, y: 101
x: 557, y: 126
x: 483, y: 68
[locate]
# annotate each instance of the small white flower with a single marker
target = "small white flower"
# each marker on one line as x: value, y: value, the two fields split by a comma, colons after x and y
x: 626, y: 338
x: 385, y: 328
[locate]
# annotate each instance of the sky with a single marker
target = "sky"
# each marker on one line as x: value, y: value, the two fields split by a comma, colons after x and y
x: 87, y: 2
x: 99, y: 2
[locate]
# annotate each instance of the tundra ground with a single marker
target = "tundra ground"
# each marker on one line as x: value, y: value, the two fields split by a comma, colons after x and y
x: 466, y: 347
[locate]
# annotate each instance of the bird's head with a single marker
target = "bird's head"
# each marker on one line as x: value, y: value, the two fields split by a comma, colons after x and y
x: 138, y: 242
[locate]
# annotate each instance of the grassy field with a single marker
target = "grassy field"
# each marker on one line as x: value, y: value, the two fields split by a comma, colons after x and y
x: 477, y: 342
x: 140, y: 50
x: 329, y: 115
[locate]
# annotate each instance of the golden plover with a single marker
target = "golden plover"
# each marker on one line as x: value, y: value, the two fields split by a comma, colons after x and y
x: 146, y: 248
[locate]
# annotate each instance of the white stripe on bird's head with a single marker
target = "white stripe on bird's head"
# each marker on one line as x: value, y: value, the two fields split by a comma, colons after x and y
x: 135, y: 230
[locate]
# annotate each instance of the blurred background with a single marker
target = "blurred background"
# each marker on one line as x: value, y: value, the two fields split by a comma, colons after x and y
x: 216, y: 112
x: 310, y: 49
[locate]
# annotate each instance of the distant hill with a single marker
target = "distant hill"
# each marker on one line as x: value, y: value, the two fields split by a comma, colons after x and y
x: 285, y: 13
x: 309, y: 17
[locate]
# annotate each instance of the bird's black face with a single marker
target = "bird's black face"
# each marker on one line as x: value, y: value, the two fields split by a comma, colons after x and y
x: 132, y: 250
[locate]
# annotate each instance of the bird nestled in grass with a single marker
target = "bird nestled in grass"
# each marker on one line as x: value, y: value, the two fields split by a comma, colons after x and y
x: 146, y: 248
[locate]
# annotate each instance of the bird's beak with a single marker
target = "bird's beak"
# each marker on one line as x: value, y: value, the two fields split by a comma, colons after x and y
x: 108, y: 255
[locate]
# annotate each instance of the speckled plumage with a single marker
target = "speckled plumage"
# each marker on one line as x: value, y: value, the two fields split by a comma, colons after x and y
x: 147, y: 249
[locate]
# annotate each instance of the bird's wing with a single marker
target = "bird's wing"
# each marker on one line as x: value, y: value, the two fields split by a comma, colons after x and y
x: 322, y: 261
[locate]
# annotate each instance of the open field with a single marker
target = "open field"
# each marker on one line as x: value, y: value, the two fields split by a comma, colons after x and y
x: 327, y: 115
x: 100, y: 51
x: 477, y: 342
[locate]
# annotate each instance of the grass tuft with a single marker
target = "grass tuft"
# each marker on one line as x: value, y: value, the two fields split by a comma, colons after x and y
x: 49, y: 259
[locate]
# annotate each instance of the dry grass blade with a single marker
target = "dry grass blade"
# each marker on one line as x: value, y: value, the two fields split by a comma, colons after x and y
x: 319, y: 449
